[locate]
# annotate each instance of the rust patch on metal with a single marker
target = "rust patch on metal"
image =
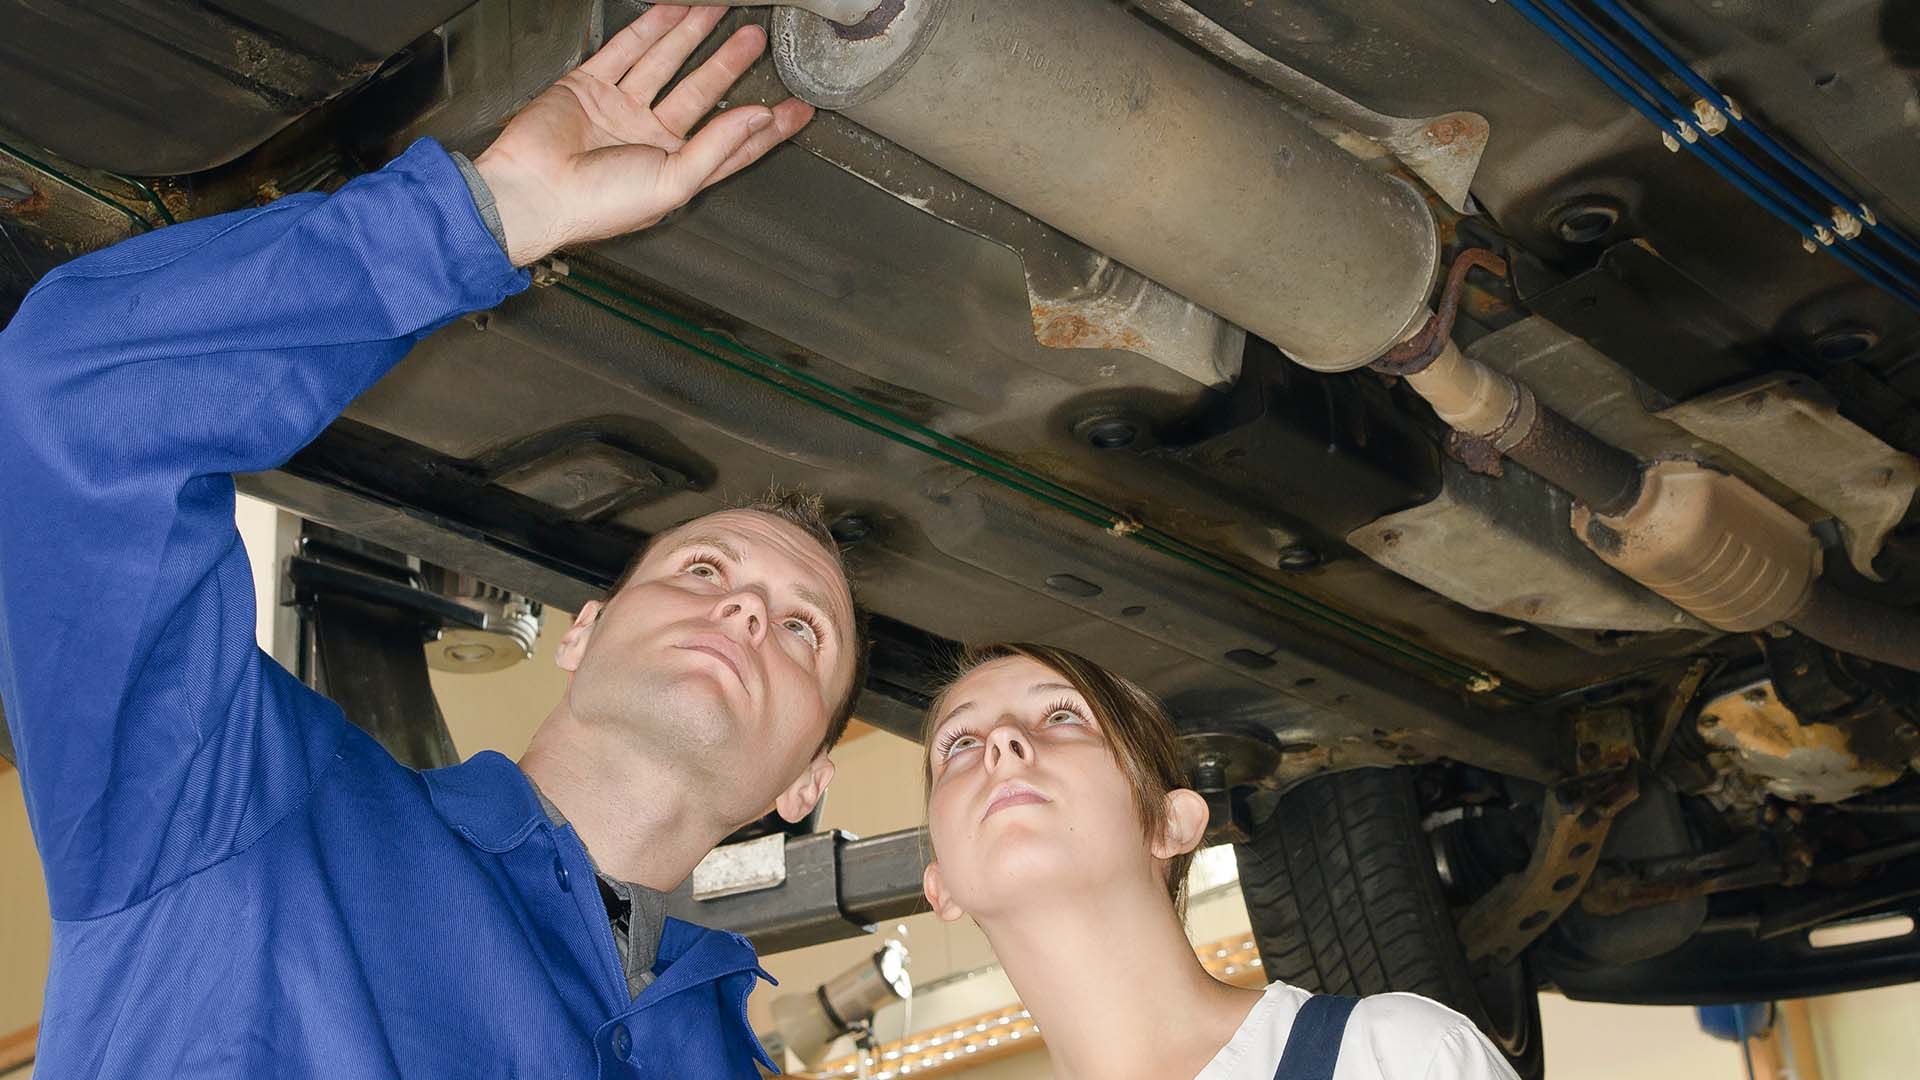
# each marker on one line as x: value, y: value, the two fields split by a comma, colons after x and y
x: 1059, y: 326
x: 1477, y: 454
x: 1793, y: 760
x: 1448, y: 130
x: 33, y: 203
x: 1612, y: 895
x: 1755, y: 719
x: 1483, y: 304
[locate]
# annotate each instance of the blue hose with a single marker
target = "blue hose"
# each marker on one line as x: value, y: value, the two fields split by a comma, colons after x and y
x: 1792, y: 162
x: 1752, y: 182
x: 1677, y: 112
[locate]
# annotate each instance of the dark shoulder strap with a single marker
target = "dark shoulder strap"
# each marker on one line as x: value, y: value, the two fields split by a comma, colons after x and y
x: 1313, y: 1046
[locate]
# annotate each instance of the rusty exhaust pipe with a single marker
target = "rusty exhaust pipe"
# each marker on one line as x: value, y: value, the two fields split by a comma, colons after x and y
x: 1134, y: 145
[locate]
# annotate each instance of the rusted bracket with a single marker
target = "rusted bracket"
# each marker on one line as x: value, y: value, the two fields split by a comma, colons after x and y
x: 1573, y: 825
x: 1415, y: 353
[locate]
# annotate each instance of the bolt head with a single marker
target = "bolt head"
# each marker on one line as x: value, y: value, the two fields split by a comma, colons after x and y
x: 1298, y: 557
x: 1111, y: 433
x: 850, y: 529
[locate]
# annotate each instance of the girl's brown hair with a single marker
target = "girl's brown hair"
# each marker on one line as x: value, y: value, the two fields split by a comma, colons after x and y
x: 1134, y: 723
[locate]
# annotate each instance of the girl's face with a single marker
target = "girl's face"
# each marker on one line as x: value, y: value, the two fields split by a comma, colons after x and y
x: 1027, y: 801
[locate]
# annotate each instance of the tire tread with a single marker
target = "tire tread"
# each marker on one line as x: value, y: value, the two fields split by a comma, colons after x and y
x: 1344, y: 899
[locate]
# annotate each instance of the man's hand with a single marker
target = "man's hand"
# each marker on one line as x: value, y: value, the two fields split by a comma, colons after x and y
x: 595, y: 156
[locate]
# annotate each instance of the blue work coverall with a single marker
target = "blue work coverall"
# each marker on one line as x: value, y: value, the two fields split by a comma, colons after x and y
x: 243, y: 884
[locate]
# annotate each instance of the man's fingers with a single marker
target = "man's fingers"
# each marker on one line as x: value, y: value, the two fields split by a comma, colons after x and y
x: 620, y: 52
x: 692, y: 166
x: 650, y: 73
x: 683, y: 107
x: 788, y: 117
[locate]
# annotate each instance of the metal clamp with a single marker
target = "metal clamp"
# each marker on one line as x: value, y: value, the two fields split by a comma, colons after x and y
x: 1422, y: 349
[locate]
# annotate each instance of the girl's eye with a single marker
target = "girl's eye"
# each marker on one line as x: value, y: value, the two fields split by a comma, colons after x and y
x: 1063, y: 714
x: 803, y: 628
x: 956, y: 742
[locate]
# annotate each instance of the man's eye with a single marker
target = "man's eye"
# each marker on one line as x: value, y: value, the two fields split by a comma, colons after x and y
x: 804, y: 629
x: 704, y: 570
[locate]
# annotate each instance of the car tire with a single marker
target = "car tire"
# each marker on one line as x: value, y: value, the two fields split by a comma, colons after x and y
x: 1344, y: 898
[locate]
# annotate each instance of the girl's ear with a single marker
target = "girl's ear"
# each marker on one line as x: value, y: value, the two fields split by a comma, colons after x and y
x: 935, y: 887
x: 1186, y: 824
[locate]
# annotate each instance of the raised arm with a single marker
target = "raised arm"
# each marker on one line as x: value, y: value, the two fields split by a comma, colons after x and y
x: 153, y: 737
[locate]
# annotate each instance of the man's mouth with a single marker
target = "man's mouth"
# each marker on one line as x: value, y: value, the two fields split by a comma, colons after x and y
x: 721, y: 648
x: 1010, y: 794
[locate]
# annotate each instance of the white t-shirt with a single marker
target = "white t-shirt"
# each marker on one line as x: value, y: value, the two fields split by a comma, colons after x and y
x: 1388, y: 1037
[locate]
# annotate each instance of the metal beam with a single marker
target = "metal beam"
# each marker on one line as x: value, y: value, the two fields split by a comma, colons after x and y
x: 834, y: 886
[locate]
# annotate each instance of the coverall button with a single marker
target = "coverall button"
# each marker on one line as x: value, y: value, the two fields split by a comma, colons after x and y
x: 622, y: 1041
x: 560, y: 874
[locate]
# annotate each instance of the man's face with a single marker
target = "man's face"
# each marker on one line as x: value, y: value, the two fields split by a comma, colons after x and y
x: 725, y: 654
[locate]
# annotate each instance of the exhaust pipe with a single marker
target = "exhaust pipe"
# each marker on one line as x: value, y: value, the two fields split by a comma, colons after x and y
x: 1707, y: 541
x: 1132, y: 144
x: 1137, y: 147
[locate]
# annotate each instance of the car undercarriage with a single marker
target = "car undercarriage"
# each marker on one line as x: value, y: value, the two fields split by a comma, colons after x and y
x: 1516, y: 394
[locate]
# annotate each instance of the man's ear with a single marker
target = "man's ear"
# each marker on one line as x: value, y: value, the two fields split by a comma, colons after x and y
x: 935, y: 888
x: 573, y: 644
x: 804, y: 793
x: 1186, y: 824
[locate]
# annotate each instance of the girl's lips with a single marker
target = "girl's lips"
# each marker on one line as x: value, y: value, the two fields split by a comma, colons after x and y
x: 1012, y: 794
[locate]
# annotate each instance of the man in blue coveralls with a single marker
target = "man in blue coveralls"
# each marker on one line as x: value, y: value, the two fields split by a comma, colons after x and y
x: 242, y: 883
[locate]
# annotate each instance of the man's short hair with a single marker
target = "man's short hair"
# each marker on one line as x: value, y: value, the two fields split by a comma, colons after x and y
x: 805, y: 511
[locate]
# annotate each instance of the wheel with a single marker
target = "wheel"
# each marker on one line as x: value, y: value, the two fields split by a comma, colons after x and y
x: 1344, y: 898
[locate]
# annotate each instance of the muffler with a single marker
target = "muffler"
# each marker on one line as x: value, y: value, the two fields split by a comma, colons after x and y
x: 1120, y: 137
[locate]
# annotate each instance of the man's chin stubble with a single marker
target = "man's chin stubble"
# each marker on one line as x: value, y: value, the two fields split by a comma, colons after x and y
x: 688, y: 715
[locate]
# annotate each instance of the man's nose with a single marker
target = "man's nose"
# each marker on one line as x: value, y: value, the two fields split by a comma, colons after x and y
x: 1007, y: 743
x: 747, y: 609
